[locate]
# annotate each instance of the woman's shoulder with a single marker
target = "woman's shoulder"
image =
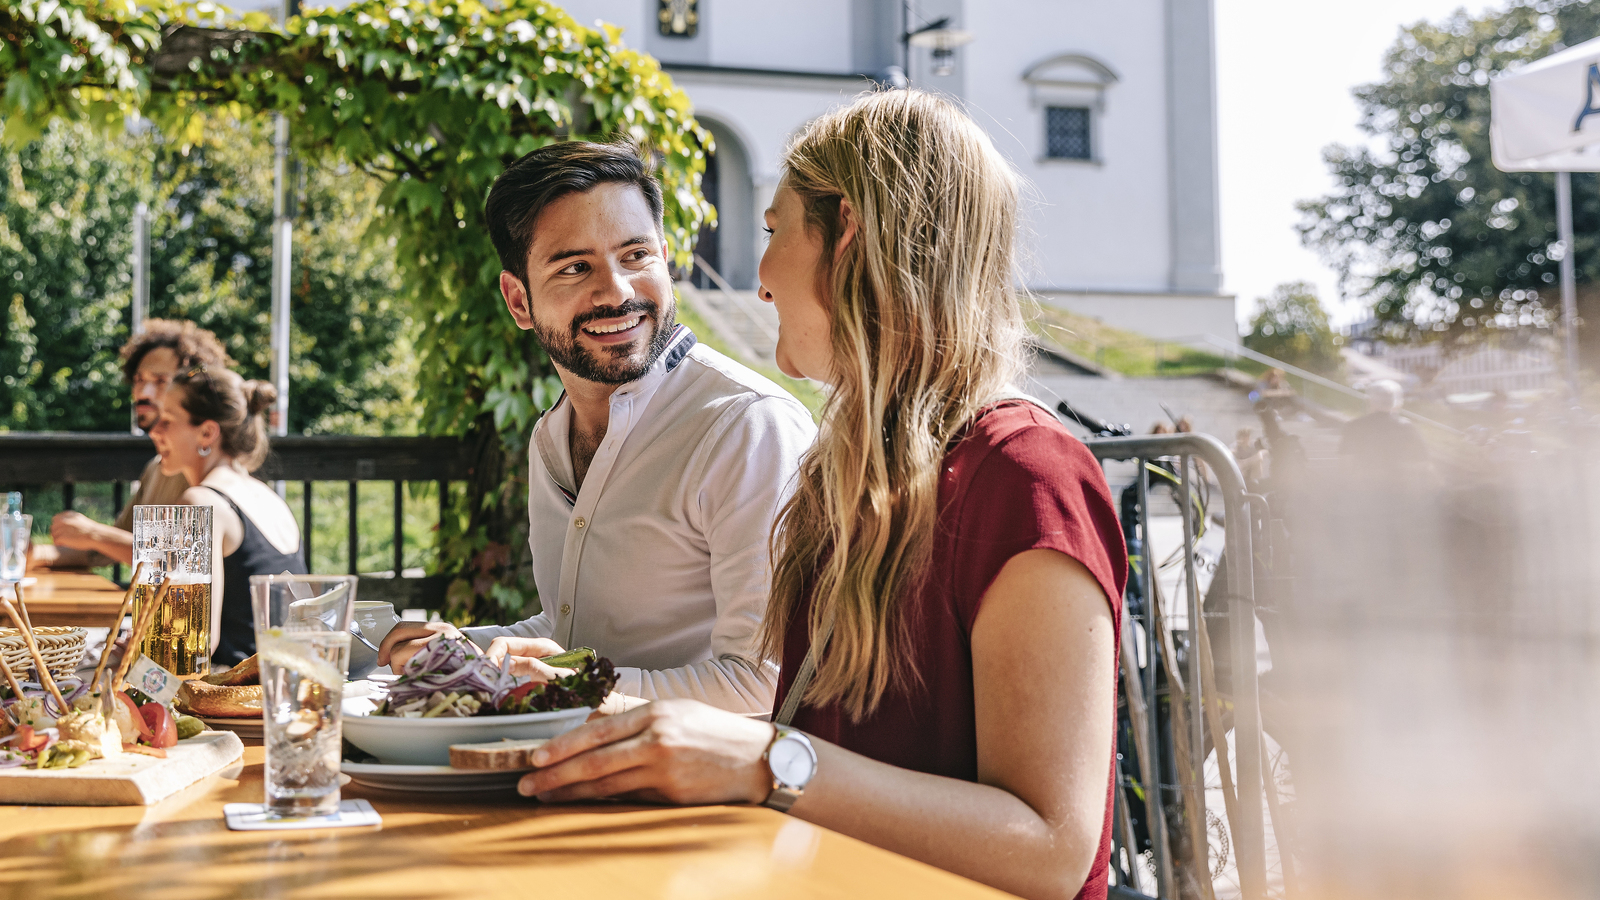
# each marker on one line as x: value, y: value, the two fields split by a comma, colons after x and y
x: 1022, y: 438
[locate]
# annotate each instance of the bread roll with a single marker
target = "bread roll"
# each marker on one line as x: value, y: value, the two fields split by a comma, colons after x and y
x: 503, y: 755
x: 212, y: 701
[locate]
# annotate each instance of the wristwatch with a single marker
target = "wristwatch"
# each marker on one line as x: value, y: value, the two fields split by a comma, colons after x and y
x: 792, y: 761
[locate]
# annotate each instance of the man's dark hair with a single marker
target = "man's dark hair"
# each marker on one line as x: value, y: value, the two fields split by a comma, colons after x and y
x: 549, y: 173
x: 193, y: 345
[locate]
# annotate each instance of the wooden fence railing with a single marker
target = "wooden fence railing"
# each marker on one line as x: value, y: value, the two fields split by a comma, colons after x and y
x: 29, y: 459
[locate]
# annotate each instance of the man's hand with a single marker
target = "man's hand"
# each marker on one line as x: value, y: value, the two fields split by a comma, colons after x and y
x: 43, y: 555
x: 526, y: 654
x: 75, y: 530
x: 406, y: 638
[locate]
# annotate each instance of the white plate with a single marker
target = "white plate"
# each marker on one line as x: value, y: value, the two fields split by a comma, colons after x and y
x: 431, y: 779
x: 426, y: 742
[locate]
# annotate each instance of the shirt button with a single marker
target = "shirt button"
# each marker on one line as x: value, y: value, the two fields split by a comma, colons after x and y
x: 566, y: 609
x: 579, y: 522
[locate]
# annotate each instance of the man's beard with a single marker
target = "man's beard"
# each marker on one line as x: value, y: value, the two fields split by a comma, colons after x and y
x: 616, y: 367
x: 145, y: 416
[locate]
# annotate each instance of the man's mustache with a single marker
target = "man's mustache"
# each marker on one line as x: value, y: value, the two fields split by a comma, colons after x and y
x: 614, y: 312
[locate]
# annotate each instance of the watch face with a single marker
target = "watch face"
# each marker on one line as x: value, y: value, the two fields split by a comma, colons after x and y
x: 791, y: 762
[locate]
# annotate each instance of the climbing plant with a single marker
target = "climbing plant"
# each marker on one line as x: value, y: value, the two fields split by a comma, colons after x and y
x: 434, y: 99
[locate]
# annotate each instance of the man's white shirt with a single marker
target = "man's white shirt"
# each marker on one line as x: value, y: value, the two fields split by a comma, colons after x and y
x: 660, y: 562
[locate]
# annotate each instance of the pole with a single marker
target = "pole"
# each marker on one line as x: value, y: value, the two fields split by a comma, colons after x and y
x: 282, y: 260
x: 282, y: 270
x: 1569, y: 280
x: 141, y: 282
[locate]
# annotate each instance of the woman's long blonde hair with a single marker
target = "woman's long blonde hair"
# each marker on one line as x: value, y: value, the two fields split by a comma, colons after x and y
x: 926, y: 328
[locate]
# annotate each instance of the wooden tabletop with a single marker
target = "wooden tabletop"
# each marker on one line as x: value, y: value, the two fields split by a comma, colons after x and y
x: 482, y: 846
x: 71, y: 597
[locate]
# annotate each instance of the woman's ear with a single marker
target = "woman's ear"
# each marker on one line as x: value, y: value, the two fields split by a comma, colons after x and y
x: 848, y: 224
x: 210, y: 432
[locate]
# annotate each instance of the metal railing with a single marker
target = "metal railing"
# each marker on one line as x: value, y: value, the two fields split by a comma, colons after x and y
x: 1171, y: 739
x: 36, y: 459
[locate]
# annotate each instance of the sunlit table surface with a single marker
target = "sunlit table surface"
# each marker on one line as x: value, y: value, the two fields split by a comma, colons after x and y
x: 70, y: 597
x: 483, y: 846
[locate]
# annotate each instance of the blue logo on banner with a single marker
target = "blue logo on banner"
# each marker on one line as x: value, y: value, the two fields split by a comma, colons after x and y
x: 1589, y: 108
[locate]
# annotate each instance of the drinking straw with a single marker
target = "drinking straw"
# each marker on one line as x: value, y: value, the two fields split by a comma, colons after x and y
x: 116, y: 626
x: 140, y: 626
x: 45, y: 678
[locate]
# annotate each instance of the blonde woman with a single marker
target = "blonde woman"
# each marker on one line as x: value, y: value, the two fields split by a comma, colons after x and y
x: 947, y: 576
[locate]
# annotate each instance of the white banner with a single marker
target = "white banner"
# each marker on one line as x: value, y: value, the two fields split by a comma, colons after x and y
x: 1545, y: 117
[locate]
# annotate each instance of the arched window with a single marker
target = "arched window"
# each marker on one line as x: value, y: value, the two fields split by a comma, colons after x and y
x: 1070, y: 93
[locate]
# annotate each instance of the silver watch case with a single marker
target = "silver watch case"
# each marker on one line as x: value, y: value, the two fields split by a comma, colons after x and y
x: 787, y: 787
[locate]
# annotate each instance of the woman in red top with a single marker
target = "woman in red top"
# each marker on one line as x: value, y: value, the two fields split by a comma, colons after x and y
x: 951, y: 551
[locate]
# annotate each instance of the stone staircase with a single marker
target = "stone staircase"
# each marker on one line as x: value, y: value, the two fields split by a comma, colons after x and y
x: 744, y: 321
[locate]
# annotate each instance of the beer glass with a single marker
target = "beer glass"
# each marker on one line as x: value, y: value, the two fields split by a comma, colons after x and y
x: 303, y: 641
x: 175, y: 541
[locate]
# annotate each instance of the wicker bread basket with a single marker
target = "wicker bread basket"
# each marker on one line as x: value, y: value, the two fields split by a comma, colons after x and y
x: 61, y: 647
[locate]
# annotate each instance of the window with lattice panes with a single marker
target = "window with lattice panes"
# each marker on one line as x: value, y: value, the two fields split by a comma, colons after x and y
x: 1066, y: 133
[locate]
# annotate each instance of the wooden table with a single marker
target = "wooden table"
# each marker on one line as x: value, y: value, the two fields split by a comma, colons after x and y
x: 483, y: 846
x: 71, y: 597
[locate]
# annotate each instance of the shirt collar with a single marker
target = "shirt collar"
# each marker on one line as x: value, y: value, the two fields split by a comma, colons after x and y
x: 678, y: 347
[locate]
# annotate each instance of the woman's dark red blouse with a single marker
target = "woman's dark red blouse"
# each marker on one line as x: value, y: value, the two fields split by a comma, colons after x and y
x: 1016, y: 481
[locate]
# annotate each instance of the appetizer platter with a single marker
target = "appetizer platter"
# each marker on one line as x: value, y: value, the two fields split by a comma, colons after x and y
x: 66, y: 741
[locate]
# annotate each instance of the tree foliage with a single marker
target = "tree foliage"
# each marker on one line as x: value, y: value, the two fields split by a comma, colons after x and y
x: 1440, y: 241
x: 434, y: 97
x: 66, y: 204
x: 64, y: 282
x: 1291, y: 325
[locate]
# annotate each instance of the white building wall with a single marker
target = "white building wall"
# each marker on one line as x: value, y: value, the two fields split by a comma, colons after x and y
x: 1130, y: 236
x: 1101, y: 224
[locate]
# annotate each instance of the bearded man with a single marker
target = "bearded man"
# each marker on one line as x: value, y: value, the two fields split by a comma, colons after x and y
x: 654, y: 482
x: 149, y: 361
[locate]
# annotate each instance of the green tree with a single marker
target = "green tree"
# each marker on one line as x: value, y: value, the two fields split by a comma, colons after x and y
x: 1291, y: 325
x: 65, y: 204
x: 351, y: 361
x: 66, y: 208
x: 1425, y: 227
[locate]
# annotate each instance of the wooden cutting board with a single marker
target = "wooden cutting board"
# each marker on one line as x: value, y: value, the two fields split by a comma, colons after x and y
x: 131, y: 779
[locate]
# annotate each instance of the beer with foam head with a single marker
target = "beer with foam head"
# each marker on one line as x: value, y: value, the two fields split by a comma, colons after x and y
x: 179, y: 639
x: 174, y: 542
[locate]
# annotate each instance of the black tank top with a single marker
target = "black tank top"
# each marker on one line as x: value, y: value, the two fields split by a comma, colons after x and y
x: 255, y: 556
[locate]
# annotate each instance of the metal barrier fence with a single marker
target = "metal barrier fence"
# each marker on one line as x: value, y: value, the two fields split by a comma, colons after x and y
x: 1170, y: 739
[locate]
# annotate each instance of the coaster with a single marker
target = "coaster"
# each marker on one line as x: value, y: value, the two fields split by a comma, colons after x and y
x: 253, y: 817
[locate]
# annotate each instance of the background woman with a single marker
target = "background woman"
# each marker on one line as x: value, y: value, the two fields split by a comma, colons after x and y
x: 212, y: 431
x: 953, y: 548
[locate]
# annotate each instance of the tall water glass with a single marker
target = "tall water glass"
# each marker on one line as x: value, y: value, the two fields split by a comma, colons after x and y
x: 14, y: 533
x: 303, y: 641
x: 175, y: 541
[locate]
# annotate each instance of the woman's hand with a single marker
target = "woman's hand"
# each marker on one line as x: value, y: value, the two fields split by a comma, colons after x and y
x: 677, y: 751
x: 525, y: 656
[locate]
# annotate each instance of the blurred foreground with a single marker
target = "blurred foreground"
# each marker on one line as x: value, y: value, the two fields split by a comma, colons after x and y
x: 1434, y: 648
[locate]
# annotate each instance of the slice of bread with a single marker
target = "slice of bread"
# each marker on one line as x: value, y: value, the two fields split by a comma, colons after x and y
x: 503, y: 755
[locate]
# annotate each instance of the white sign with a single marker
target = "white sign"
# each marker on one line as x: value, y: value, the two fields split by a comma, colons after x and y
x: 153, y: 681
x: 1545, y: 116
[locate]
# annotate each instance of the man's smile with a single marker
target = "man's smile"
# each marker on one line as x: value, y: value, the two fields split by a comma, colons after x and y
x: 611, y: 330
